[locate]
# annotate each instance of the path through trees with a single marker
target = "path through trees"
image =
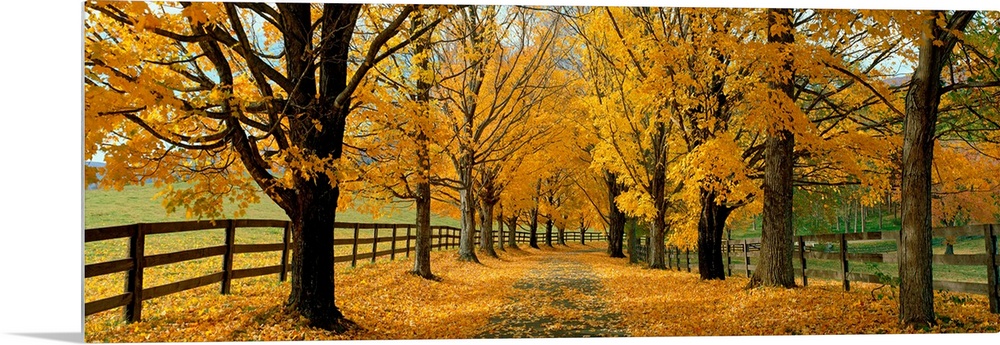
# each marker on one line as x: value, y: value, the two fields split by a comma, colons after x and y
x: 560, y: 298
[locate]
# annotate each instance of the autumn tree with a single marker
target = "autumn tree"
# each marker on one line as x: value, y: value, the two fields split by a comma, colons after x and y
x: 775, y: 266
x: 393, y: 132
x: 599, y: 186
x: 498, y: 70
x: 235, y: 98
x: 940, y: 33
x: 635, y: 129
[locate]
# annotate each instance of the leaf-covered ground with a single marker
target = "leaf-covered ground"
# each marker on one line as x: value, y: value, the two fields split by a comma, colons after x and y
x: 562, y: 292
x: 559, y: 298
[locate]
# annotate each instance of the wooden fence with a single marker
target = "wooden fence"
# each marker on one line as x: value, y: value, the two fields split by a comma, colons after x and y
x: 443, y: 237
x: 747, y: 250
x: 569, y: 237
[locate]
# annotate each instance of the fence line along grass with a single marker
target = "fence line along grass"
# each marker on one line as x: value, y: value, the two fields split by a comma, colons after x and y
x: 830, y: 257
x: 166, y: 258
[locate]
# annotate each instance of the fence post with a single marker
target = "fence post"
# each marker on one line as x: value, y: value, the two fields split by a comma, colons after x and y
x: 392, y: 247
x: 687, y: 256
x: 354, y: 249
x: 677, y: 255
x: 648, y: 250
x: 990, y: 231
x: 729, y: 257
x: 227, y: 259
x: 843, y: 263
x: 802, y: 260
x: 285, y: 241
x: 407, y: 240
x: 746, y: 257
x: 670, y: 258
x: 439, y: 238
x: 374, y: 240
x: 133, y: 282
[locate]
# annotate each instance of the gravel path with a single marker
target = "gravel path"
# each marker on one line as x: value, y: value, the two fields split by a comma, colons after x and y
x: 558, y: 299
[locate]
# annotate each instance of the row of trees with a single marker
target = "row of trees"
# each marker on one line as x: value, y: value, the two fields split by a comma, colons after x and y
x: 328, y: 106
x: 706, y: 113
x: 683, y: 119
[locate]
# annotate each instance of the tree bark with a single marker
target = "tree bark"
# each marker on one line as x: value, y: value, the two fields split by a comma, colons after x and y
x: 616, y: 218
x: 658, y: 185
x: 313, y: 211
x: 500, y: 238
x: 422, y: 192
x: 467, y: 162
x: 467, y: 241
x: 312, y: 258
x: 711, y: 224
x: 633, y: 242
x: 775, y: 265
x: 561, y: 235
x: 533, y: 229
x: 486, y: 233
x: 657, y: 246
x: 548, y: 232
x: 916, y: 294
x: 422, y: 244
x: 512, y: 232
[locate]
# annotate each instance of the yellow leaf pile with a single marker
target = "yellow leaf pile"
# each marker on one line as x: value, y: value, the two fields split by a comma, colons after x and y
x: 524, y: 289
x: 382, y: 298
x: 671, y: 303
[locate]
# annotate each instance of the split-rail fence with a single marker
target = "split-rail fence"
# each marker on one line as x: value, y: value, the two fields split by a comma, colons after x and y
x: 137, y: 261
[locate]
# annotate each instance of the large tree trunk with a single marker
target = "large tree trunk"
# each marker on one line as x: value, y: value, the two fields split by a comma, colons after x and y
x: 312, y: 291
x: 314, y: 209
x: 500, y: 238
x: 616, y: 218
x: 633, y: 244
x: 657, y: 246
x: 561, y: 234
x: 710, y: 227
x: 775, y: 265
x: 467, y: 241
x: 422, y: 244
x: 548, y: 231
x: 467, y: 162
x: 916, y: 294
x: 486, y: 234
x: 533, y: 228
x: 512, y: 232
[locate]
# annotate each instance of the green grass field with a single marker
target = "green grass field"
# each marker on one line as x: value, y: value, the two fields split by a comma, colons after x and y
x: 135, y: 204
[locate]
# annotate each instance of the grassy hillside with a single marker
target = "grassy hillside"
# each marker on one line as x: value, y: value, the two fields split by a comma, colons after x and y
x: 135, y: 204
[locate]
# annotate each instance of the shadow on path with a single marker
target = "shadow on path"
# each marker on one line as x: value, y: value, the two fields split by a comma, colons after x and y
x: 558, y: 299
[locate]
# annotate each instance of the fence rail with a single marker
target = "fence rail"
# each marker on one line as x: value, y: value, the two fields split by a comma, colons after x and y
x: 748, y: 249
x: 442, y: 237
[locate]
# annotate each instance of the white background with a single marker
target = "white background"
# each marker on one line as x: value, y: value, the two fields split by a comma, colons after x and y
x: 41, y: 130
